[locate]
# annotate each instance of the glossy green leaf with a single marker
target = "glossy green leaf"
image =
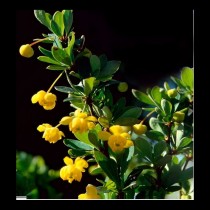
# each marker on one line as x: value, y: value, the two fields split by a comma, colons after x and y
x: 104, y: 122
x: 166, y: 86
x: 96, y: 171
x: 88, y: 85
x: 110, y: 68
x: 144, y: 147
x: 185, y: 141
x: 57, y: 24
x: 43, y: 17
x: 47, y: 53
x: 61, y: 56
x: 125, y: 159
x: 64, y: 89
x: 159, y: 148
x: 56, y: 67
x: 77, y: 152
x: 67, y: 20
x: 187, y: 77
x: 166, y: 106
x: 48, y: 60
x: 126, y: 121
x: 75, y: 144
x: 155, y: 135
x: 107, y: 112
x: 95, y: 64
x: 69, y: 48
x: 93, y: 138
x: 186, y: 174
x: 156, y: 94
x: 142, y: 97
x: 163, y: 161
x: 155, y: 124
x: 133, y: 112
x: 108, y: 165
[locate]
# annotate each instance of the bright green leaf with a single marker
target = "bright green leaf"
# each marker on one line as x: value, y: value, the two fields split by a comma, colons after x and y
x: 187, y: 76
x: 64, y: 89
x: 166, y: 106
x: 43, y: 17
x: 156, y: 94
x: 57, y: 24
x: 155, y: 124
x: 185, y: 141
x: 47, y: 53
x: 75, y: 144
x: 61, y: 56
x: 67, y: 20
x: 48, y: 60
x: 56, y: 67
x: 88, y: 85
x: 142, y: 97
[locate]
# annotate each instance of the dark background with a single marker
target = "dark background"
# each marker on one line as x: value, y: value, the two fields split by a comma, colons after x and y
x: 152, y: 45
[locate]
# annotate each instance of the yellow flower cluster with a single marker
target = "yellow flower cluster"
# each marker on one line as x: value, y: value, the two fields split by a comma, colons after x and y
x: 91, y: 193
x: 79, y: 122
x: 118, y: 137
x: 51, y: 134
x: 45, y: 99
x: 73, y: 169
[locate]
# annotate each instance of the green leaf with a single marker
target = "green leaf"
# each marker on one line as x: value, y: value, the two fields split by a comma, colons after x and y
x: 103, y: 60
x: 64, y: 89
x: 156, y: 94
x: 144, y: 147
x: 77, y: 152
x: 108, y: 165
x: 104, y: 122
x: 155, y: 135
x: 96, y: 171
x: 187, y: 76
x: 48, y: 60
x: 178, y: 82
x: 186, y: 174
x: 163, y: 161
x: 75, y: 144
x: 159, y: 148
x: 43, y: 17
x: 166, y: 86
x: 173, y: 188
x: 67, y: 20
x: 125, y: 159
x: 88, y: 85
x: 110, y: 68
x: 166, y: 106
x: 85, y: 53
x: 56, y: 67
x: 57, y: 24
x: 134, y: 112
x: 107, y: 112
x: 69, y: 48
x: 93, y: 138
x: 60, y: 55
x: 47, y: 53
x: 185, y: 141
x: 95, y: 64
x: 142, y: 97
x: 155, y: 124
x: 126, y: 121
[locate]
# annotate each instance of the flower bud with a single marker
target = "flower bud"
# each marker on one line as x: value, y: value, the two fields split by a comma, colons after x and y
x: 122, y: 87
x: 139, y: 128
x: 26, y: 51
x: 178, y: 116
x: 172, y: 93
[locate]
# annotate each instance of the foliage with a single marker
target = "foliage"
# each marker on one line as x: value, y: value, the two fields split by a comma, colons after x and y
x: 139, y: 158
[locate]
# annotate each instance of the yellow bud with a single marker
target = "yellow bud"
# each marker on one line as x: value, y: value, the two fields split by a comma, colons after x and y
x: 26, y: 51
x: 172, y: 93
x: 122, y: 87
x: 139, y: 128
x: 178, y: 117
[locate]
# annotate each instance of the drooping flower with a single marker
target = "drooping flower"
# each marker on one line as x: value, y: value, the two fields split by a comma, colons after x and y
x: 51, y: 134
x: 73, y: 170
x: 79, y: 122
x: 118, y: 137
x: 45, y: 99
x: 91, y: 193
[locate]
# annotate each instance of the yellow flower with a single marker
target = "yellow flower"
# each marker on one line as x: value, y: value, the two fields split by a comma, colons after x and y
x: 51, y: 134
x: 91, y: 193
x: 118, y: 137
x: 26, y: 50
x: 140, y: 128
x: 47, y: 100
x: 79, y: 122
x: 73, y: 171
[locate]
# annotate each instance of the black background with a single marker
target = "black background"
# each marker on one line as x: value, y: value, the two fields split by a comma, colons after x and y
x: 152, y: 45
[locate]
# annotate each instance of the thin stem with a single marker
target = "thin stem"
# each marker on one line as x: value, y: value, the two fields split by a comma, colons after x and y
x: 40, y: 40
x: 55, y: 82
x: 185, y: 165
x: 150, y: 113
